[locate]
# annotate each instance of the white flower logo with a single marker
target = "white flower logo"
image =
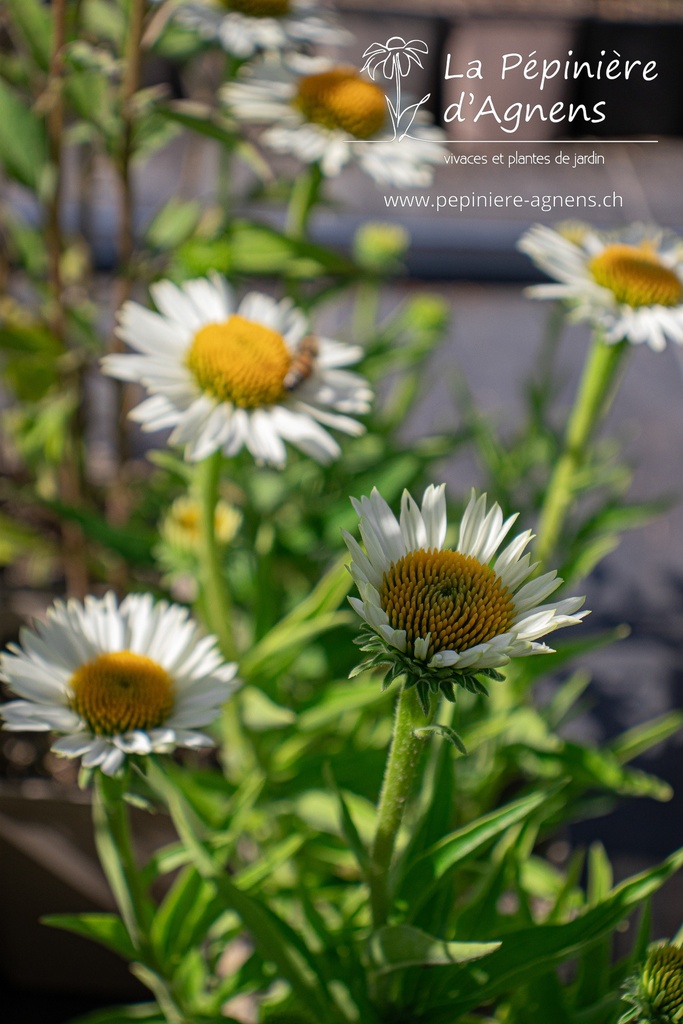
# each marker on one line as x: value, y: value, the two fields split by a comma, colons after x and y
x: 395, y: 58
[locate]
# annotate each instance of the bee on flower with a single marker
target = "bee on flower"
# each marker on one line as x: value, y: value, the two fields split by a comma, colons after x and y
x: 220, y: 374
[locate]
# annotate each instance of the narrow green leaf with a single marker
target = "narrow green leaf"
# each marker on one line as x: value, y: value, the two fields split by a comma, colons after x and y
x: 272, y: 935
x: 565, y: 698
x: 107, y: 929
x: 348, y: 825
x: 641, y: 738
x: 173, y: 224
x: 424, y: 874
x: 445, y: 731
x: 397, y: 946
x: 529, y: 952
x: 260, y: 713
x: 32, y: 20
x: 133, y: 545
x: 23, y: 142
x: 166, y: 927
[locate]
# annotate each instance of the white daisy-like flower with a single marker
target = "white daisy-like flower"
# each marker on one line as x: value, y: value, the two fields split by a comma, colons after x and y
x: 628, y: 284
x: 443, y: 615
x: 245, y: 27
x: 332, y: 117
x: 227, y: 376
x: 138, y: 678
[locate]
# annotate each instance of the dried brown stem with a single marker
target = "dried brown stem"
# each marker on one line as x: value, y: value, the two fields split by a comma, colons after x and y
x: 69, y: 478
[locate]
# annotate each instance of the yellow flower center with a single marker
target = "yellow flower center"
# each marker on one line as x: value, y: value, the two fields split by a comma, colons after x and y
x: 341, y: 99
x: 120, y: 691
x: 636, y: 276
x: 240, y: 361
x: 450, y: 595
x: 259, y: 8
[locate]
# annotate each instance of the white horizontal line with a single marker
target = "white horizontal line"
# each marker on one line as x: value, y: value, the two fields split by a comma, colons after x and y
x: 542, y: 142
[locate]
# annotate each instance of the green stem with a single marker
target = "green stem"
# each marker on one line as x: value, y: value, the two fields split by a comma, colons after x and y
x: 366, y: 309
x: 399, y: 777
x: 594, y: 397
x: 305, y: 192
x: 215, y: 597
x: 115, y: 850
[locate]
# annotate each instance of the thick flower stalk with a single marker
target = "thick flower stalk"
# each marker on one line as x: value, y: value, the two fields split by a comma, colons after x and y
x: 440, y: 618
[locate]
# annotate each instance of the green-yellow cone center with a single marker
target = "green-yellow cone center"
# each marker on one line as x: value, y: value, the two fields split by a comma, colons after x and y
x: 636, y: 276
x: 341, y: 99
x: 239, y: 361
x: 259, y: 8
x: 662, y: 984
x: 120, y: 691
x: 450, y: 595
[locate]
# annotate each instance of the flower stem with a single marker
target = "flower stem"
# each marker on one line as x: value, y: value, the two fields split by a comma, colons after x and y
x: 399, y: 776
x: 215, y: 597
x: 594, y: 397
x: 303, y: 198
x: 115, y: 849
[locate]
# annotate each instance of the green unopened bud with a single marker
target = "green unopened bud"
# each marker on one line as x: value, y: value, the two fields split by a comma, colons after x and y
x: 428, y: 313
x: 379, y: 246
x: 656, y: 994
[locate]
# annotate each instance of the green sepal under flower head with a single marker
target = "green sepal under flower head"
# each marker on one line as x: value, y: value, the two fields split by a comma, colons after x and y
x: 656, y: 993
x: 427, y: 679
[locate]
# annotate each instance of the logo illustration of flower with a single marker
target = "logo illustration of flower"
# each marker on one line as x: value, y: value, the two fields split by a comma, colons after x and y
x: 395, y: 58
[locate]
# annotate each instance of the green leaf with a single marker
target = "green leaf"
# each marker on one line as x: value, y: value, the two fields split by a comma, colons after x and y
x: 445, y: 731
x: 565, y: 697
x: 167, y: 927
x: 135, y: 545
x: 641, y: 738
x: 397, y: 946
x: 424, y: 874
x: 260, y: 713
x: 173, y: 224
x: 103, y: 20
x: 275, y: 939
x: 200, y: 118
x: 251, y: 248
x: 107, y: 929
x: 588, y: 767
x: 348, y: 826
x: 527, y: 953
x: 32, y: 20
x: 311, y: 618
x: 23, y: 141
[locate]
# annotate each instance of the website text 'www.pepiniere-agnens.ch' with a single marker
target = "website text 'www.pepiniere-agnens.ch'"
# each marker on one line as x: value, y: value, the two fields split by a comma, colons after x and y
x: 501, y: 201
